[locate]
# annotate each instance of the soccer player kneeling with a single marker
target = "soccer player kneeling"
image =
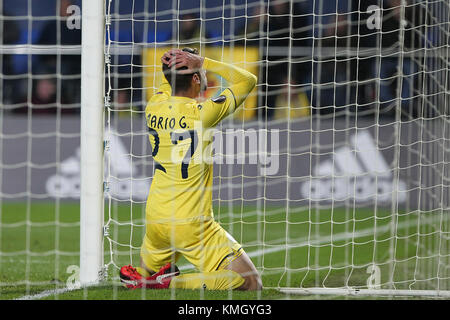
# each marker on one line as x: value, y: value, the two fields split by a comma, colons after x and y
x: 179, y: 215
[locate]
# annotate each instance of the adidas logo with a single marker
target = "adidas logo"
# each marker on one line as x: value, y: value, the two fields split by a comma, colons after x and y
x: 357, y: 172
x: 66, y: 183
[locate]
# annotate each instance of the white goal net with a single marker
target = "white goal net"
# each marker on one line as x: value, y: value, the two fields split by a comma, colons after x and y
x: 334, y: 175
x: 348, y: 188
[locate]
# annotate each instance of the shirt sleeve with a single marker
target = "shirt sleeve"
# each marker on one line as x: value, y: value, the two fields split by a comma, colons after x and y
x: 214, y: 110
x: 164, y: 91
x: 241, y: 83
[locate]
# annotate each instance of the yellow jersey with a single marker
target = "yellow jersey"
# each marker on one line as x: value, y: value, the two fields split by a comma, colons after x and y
x: 181, y: 189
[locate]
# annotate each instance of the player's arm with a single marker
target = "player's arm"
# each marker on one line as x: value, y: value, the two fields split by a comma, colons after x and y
x: 164, y: 88
x: 241, y: 83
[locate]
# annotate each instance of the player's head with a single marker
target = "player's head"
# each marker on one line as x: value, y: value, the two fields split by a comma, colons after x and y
x: 182, y: 83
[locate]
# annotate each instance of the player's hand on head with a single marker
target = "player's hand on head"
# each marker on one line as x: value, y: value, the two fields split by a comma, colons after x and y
x: 168, y: 55
x: 178, y: 59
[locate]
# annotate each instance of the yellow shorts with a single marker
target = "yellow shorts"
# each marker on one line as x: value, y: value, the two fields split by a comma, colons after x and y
x: 205, y: 244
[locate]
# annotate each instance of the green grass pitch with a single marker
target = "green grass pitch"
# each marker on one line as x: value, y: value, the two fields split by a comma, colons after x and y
x: 302, y: 247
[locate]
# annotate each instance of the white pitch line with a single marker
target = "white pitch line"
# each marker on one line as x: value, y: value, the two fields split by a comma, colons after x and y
x: 302, y: 242
x: 45, y: 294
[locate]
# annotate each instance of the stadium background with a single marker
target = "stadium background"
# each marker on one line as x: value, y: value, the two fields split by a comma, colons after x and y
x: 336, y: 25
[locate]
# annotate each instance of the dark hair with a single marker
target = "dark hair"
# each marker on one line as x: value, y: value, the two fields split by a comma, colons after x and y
x: 179, y: 82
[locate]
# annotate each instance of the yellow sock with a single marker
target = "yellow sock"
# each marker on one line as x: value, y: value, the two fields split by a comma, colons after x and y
x: 216, y: 280
x: 143, y: 272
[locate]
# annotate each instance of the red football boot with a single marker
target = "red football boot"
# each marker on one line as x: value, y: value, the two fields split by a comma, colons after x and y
x: 130, y: 277
x: 160, y: 280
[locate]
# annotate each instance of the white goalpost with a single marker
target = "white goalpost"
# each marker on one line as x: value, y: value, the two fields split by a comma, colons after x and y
x: 91, y: 157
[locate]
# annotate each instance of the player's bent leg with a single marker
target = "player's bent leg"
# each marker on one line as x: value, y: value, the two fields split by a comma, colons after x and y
x: 220, y: 269
x: 223, y: 263
x: 240, y: 274
x: 155, y: 253
x: 152, y: 259
x: 214, y: 280
x: 133, y: 279
x: 243, y: 266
